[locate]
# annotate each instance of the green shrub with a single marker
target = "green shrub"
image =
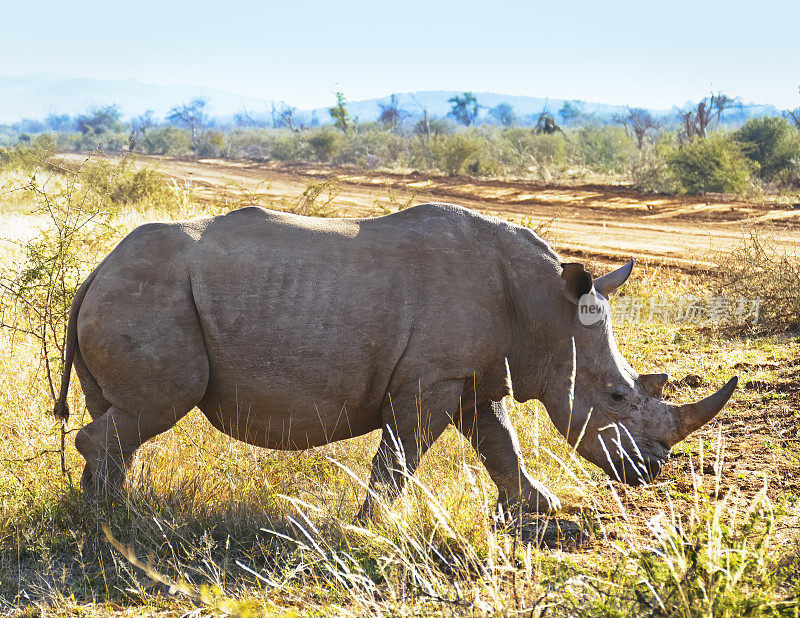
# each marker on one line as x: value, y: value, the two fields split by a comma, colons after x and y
x: 124, y: 184
x: 29, y: 155
x: 104, y: 142
x: 266, y: 144
x: 450, y: 152
x: 73, y: 232
x: 713, y: 164
x: 167, y: 140
x: 525, y: 149
x: 212, y: 144
x: 602, y: 148
x: 324, y: 144
x: 371, y: 146
x: 773, y: 144
x: 289, y: 146
x: 100, y: 121
x: 650, y: 170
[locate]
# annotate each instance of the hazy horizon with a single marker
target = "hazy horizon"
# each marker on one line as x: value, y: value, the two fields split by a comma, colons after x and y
x: 620, y: 53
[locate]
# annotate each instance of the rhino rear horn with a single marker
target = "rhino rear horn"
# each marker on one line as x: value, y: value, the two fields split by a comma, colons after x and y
x: 654, y: 383
x: 612, y: 281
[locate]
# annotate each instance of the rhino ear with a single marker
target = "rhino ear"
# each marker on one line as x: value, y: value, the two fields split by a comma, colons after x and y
x: 577, y: 281
x: 613, y: 280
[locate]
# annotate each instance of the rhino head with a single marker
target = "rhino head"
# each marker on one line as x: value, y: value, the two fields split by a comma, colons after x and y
x: 615, y: 417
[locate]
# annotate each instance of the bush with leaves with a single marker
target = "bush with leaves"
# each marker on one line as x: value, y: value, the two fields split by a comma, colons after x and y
x: 101, y: 129
x: 212, y: 144
x: 324, y: 143
x: 29, y: 156
x: 38, y: 291
x: 137, y: 187
x: 252, y: 144
x: 371, y: 146
x: 451, y: 152
x: 650, y: 171
x: 714, y: 164
x: 602, y: 148
x: 287, y: 145
x: 774, y: 145
x: 526, y: 150
x: 167, y: 140
x: 717, y: 564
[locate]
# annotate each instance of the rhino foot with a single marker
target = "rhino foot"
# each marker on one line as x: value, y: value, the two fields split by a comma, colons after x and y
x: 536, y: 500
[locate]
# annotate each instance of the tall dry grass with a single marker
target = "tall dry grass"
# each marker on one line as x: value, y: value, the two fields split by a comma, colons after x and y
x: 210, y: 522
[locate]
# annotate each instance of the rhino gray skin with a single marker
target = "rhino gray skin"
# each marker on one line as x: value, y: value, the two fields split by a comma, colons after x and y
x: 291, y: 332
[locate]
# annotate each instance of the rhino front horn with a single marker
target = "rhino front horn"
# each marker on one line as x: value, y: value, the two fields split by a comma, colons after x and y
x: 692, y: 416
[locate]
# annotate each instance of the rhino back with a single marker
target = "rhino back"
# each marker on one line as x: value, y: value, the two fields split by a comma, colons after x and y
x: 309, y: 322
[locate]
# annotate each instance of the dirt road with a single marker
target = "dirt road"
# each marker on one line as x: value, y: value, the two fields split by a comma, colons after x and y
x: 598, y: 220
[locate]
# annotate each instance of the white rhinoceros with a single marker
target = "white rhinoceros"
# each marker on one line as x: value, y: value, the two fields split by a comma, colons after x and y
x: 290, y: 332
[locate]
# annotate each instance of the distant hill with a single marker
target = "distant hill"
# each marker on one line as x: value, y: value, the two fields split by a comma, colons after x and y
x: 436, y: 103
x: 36, y: 96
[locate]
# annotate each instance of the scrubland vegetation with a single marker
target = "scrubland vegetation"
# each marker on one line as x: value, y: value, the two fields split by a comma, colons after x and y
x: 212, y: 523
x: 690, y: 152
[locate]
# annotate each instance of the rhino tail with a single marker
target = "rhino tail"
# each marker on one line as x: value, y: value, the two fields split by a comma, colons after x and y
x: 61, y: 409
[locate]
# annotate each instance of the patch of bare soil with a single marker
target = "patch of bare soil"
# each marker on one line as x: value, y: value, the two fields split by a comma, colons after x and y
x: 584, y: 219
x: 761, y: 441
x: 760, y: 429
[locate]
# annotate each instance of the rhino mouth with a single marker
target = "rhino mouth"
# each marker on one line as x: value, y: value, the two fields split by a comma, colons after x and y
x: 638, y: 473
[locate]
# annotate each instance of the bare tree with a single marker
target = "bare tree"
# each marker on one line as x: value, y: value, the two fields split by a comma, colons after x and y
x: 423, y: 128
x: 193, y: 115
x: 697, y: 119
x: 244, y: 118
x: 139, y: 127
x: 391, y: 114
x: 273, y: 112
x: 637, y: 121
x: 286, y: 118
x: 547, y: 124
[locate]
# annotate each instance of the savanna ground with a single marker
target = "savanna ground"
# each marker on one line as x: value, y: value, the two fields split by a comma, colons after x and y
x: 211, y: 525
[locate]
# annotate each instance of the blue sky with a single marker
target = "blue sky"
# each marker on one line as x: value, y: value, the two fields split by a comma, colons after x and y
x: 636, y: 53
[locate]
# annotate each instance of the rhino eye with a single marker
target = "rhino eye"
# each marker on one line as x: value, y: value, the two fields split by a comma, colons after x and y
x: 618, y: 395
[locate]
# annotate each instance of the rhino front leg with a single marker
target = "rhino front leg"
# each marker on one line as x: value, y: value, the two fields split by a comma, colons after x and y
x: 412, y: 423
x: 491, y: 434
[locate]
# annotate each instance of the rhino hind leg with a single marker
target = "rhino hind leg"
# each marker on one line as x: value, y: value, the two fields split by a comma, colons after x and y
x: 147, y: 395
x: 489, y: 430
x: 96, y: 404
x: 142, y: 352
x: 412, y: 423
x: 108, y: 445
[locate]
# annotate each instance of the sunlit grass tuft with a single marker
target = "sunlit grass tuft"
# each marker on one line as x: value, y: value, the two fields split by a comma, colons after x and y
x: 251, y: 531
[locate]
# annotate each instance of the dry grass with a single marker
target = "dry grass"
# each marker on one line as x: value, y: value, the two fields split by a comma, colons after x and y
x: 218, y: 524
x: 758, y: 267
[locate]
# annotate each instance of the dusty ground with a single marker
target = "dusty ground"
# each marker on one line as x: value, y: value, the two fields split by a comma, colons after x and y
x: 759, y: 429
x: 598, y: 220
